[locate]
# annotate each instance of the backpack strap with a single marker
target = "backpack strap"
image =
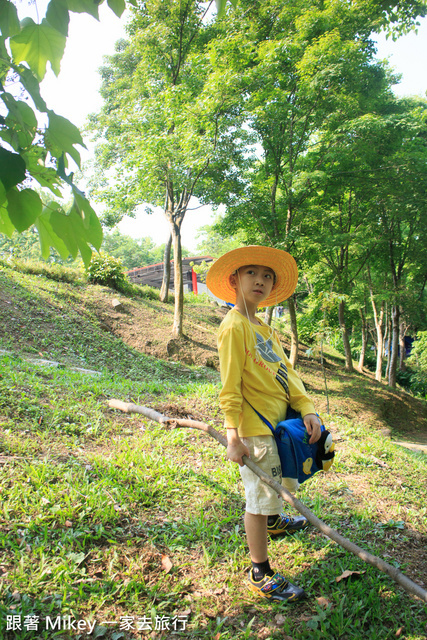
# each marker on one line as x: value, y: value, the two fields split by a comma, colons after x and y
x: 265, y: 421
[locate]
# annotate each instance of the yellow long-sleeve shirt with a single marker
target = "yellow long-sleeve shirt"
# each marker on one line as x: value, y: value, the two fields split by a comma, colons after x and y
x: 265, y: 379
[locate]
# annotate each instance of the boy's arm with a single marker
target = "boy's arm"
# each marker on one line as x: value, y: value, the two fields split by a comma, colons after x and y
x: 312, y: 424
x: 231, y: 350
x: 235, y: 447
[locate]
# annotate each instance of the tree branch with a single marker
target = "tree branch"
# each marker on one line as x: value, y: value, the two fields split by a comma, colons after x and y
x: 375, y: 561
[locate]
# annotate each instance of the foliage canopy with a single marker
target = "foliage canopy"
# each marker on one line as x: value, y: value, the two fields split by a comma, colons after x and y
x: 36, y: 144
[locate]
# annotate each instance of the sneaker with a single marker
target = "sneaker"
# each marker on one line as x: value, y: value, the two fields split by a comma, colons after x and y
x: 276, y: 588
x: 285, y: 525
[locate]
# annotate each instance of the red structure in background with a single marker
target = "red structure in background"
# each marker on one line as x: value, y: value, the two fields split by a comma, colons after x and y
x: 152, y: 274
x: 194, y: 280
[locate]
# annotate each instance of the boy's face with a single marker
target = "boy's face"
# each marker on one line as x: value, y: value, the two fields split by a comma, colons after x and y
x: 254, y: 282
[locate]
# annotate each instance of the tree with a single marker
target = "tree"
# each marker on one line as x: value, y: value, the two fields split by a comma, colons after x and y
x: 401, y: 207
x: 21, y: 245
x: 36, y: 143
x: 387, y: 152
x: 166, y: 119
x: 31, y: 151
x: 213, y: 243
x: 306, y: 69
x: 133, y: 253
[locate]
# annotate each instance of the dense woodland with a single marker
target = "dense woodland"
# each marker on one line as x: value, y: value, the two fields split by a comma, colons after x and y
x: 278, y: 111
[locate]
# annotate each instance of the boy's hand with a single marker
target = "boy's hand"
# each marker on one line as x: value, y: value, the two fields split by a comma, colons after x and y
x: 235, y: 448
x: 312, y: 424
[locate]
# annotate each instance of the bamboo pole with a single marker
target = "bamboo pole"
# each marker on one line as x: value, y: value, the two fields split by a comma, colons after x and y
x: 375, y: 561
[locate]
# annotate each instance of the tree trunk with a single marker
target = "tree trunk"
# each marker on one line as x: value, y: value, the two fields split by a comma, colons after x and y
x: 379, y: 318
x: 345, y: 339
x: 364, y: 340
x: 177, y: 329
x: 387, y: 341
x: 164, y: 291
x: 293, y: 356
x: 307, y: 282
x: 395, y: 314
x: 268, y: 315
x: 402, y: 347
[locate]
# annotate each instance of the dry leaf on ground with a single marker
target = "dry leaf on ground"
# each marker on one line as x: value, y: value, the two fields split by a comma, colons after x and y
x: 279, y: 619
x: 349, y: 574
x: 166, y: 563
x: 323, y: 602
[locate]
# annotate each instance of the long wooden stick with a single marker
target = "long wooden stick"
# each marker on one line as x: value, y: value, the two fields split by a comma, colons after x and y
x: 375, y: 561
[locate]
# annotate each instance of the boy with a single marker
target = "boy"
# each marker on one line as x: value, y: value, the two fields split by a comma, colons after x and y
x: 257, y: 377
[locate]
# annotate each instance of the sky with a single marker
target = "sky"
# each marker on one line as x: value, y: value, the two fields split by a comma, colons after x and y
x: 74, y: 94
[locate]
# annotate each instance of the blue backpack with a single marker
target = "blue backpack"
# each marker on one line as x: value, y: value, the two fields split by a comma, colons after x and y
x: 300, y: 459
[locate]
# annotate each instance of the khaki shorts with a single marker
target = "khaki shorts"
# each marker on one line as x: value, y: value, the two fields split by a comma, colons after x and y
x: 260, y: 498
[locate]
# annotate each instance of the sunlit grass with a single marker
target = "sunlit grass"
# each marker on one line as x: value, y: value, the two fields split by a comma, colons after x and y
x: 105, y: 515
x: 92, y: 500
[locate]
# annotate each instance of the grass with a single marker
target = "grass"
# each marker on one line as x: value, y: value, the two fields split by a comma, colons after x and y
x: 129, y: 526
x: 52, y: 271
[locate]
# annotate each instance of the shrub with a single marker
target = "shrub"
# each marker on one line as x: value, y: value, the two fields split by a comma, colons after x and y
x: 419, y: 351
x: 200, y: 298
x: 108, y: 271
x: 143, y: 291
x: 53, y: 271
x: 418, y: 364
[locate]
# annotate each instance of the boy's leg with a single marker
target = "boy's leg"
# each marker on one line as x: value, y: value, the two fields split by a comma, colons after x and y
x: 261, y: 501
x: 256, y: 535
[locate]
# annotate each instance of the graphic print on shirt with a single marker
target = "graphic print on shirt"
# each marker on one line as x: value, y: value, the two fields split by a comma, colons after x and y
x: 265, y: 349
x: 282, y: 377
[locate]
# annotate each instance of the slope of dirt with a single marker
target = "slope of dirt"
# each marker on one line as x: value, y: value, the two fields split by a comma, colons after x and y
x: 147, y: 326
x: 33, y: 311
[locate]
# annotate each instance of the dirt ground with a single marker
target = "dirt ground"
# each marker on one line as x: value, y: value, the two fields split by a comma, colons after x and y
x: 147, y: 328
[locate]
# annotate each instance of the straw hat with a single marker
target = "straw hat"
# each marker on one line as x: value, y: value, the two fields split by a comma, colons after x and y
x: 282, y: 263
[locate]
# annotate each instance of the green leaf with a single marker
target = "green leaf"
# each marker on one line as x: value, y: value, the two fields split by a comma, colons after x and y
x: 9, y: 21
x: 12, y: 168
x: 48, y: 238
x: 23, y: 207
x: 76, y: 233
x: 37, y: 44
x: 57, y: 16
x: 6, y: 227
x: 31, y: 84
x: 61, y: 136
x: 47, y: 177
x: 2, y: 193
x: 118, y: 6
x: 60, y: 170
x: 21, y: 119
x: 89, y: 217
x: 221, y: 4
x: 85, y: 6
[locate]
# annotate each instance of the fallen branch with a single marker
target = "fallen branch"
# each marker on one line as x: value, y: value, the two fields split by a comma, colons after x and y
x: 375, y: 561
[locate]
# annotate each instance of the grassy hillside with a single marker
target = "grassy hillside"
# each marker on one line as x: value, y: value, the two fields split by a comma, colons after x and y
x: 137, y: 529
